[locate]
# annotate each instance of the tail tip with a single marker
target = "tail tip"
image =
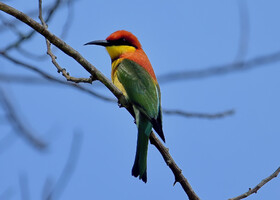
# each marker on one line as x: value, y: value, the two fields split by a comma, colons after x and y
x: 158, y: 129
x: 144, y: 177
x: 135, y: 173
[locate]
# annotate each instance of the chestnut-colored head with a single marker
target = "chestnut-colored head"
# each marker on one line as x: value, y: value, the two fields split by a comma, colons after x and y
x: 123, y: 37
x: 119, y: 43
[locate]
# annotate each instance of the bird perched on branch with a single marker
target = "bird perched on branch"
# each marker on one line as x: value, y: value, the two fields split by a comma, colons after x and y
x: 133, y: 74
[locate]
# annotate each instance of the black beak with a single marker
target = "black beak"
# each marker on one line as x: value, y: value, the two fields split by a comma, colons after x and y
x: 103, y: 43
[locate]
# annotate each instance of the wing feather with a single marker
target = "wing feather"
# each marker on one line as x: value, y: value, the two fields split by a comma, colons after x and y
x: 142, y: 91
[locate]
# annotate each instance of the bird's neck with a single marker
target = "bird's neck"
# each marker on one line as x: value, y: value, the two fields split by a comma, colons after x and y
x: 138, y: 56
x: 115, y: 52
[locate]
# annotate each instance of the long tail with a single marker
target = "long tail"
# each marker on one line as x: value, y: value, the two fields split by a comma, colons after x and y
x: 140, y: 163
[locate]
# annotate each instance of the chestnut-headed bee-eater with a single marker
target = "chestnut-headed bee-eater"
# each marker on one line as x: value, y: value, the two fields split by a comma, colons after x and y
x: 133, y: 74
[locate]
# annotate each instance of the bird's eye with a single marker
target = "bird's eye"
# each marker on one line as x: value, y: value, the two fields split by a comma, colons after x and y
x: 122, y: 41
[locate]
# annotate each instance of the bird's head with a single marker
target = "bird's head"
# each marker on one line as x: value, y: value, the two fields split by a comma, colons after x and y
x: 118, y: 43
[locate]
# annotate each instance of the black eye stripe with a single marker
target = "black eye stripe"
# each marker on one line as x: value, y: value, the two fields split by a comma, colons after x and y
x: 121, y: 41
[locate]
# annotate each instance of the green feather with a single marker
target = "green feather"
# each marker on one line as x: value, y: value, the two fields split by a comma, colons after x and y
x: 140, y: 87
x: 143, y: 92
x: 140, y: 164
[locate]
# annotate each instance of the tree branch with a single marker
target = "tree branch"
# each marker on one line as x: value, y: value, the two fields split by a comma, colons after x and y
x: 99, y: 76
x: 31, y: 33
x: 22, y: 130
x: 66, y: 49
x: 179, y: 177
x: 68, y: 169
x: 221, y: 69
x: 49, y: 77
x: 200, y: 115
x: 28, y: 79
x: 244, y: 30
x: 259, y: 186
x: 53, y: 57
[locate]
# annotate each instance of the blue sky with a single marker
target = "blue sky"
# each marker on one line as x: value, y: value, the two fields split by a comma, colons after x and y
x: 221, y: 158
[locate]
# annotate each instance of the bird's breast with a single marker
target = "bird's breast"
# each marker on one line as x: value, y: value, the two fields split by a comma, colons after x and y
x: 114, y: 76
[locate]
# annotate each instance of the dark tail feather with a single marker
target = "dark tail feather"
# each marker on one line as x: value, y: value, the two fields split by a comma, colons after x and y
x: 158, y: 128
x: 135, y: 172
x: 140, y: 164
x: 135, y: 168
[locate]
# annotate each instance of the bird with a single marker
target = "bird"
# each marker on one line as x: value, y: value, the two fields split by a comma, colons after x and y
x: 133, y: 75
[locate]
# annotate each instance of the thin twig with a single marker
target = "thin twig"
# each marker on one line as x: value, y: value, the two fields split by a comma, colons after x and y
x: 67, y: 50
x: 259, y: 186
x: 244, y: 30
x: 51, y: 78
x: 200, y: 115
x: 68, y: 169
x: 30, y: 54
x: 221, y: 69
x: 35, y: 80
x: 99, y: 76
x: 19, y: 126
x: 31, y: 13
x: 93, y: 71
x: 179, y: 177
x: 22, y: 79
x: 69, y: 18
x: 47, y: 188
x: 11, y: 26
x: 53, y: 57
x: 24, y: 37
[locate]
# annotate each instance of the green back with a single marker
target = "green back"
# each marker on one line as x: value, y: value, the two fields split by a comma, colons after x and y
x: 140, y: 87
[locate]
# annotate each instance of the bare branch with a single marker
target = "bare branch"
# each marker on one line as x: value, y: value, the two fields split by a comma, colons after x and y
x: 11, y: 26
x: 69, y: 18
x: 89, y: 80
x: 53, y: 57
x: 19, y: 126
x: 25, y: 79
x: 200, y: 115
x: 31, y: 80
x: 51, y: 78
x: 69, y: 168
x: 179, y: 177
x: 24, y: 37
x: 30, y: 54
x: 244, y: 23
x: 67, y: 50
x: 99, y: 76
x: 221, y: 69
x: 47, y: 188
x: 259, y: 186
x: 31, y: 13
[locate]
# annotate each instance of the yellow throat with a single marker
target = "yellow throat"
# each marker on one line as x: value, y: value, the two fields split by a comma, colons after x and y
x: 115, y: 52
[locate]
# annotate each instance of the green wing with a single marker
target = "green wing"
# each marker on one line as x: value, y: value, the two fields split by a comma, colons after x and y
x: 140, y: 87
x: 144, y: 94
x: 142, y: 91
